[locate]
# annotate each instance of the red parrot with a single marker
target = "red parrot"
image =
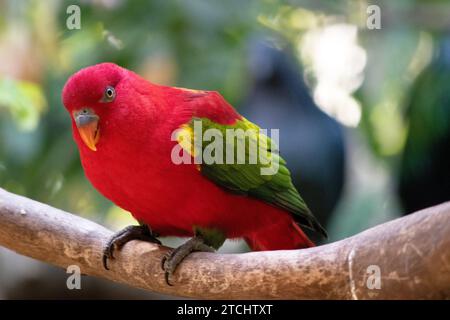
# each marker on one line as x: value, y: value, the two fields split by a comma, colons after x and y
x: 125, y: 126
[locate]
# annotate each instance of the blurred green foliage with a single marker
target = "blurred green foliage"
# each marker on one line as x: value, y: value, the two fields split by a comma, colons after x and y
x: 24, y: 100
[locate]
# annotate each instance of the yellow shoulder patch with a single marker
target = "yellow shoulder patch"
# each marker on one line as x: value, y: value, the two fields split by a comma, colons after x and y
x: 185, y: 138
x: 191, y: 90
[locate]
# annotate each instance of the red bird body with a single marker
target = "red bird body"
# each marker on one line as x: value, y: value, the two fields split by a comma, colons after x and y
x: 132, y: 165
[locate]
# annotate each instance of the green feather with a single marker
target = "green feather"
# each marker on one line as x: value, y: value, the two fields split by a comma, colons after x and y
x: 246, y: 179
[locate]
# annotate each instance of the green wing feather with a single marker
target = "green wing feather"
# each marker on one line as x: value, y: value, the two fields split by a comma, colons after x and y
x: 246, y: 178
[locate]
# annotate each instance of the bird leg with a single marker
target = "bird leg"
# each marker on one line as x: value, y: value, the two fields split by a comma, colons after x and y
x: 205, y: 240
x: 142, y: 232
x: 171, y: 261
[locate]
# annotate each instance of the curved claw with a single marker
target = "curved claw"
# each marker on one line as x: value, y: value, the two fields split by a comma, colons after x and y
x: 118, y: 240
x: 167, y: 276
x: 107, y: 254
x: 172, y: 259
x: 163, y: 260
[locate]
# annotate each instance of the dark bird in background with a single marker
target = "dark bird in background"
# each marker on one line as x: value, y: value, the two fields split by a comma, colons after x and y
x: 311, y: 142
x: 425, y: 165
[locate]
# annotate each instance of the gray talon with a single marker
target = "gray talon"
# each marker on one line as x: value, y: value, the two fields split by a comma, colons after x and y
x: 118, y: 240
x: 172, y: 259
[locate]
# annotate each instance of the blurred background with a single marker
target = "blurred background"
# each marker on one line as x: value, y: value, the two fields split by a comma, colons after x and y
x: 364, y: 114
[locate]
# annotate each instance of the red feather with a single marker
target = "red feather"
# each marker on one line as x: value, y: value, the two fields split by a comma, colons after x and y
x: 133, y: 168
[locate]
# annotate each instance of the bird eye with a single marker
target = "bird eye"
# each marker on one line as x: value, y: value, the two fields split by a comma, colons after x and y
x: 109, y: 94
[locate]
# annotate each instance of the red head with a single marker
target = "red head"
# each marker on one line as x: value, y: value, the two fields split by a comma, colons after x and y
x: 89, y: 94
x: 102, y: 96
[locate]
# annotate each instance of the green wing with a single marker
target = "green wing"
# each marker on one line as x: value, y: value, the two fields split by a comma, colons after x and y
x: 235, y: 160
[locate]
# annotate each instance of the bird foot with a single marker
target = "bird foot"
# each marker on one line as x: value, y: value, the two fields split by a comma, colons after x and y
x: 118, y: 240
x: 172, y: 259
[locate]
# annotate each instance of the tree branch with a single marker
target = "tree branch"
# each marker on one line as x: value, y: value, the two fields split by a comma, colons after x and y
x: 412, y: 253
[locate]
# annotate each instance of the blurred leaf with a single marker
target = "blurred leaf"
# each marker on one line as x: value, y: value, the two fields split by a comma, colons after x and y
x: 117, y: 218
x: 24, y: 100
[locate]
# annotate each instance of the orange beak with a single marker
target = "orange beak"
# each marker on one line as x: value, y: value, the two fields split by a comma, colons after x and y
x: 87, y: 124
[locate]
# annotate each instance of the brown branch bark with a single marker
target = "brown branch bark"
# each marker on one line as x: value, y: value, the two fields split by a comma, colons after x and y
x: 412, y: 253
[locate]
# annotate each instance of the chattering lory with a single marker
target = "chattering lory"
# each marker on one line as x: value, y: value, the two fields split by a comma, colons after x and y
x: 128, y: 130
